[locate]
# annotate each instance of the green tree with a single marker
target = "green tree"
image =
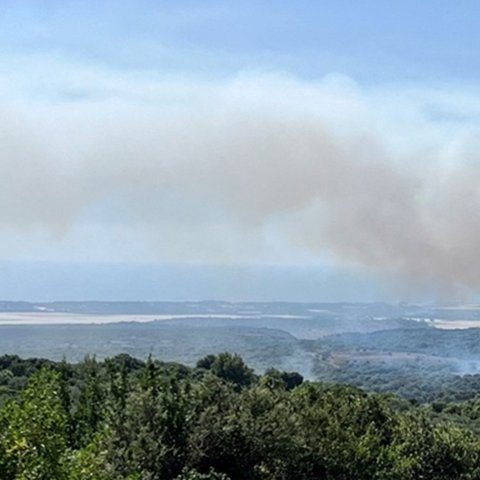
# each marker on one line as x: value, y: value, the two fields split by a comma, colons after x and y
x: 232, y: 368
x: 90, y: 406
x: 33, y: 434
x: 151, y: 439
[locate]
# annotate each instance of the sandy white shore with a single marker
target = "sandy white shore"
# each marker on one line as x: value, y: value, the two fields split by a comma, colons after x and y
x: 52, y: 318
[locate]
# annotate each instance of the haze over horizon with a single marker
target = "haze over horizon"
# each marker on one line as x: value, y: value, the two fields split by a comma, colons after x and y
x: 187, y: 150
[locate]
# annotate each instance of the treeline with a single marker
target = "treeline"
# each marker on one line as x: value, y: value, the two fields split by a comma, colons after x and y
x: 420, y: 380
x: 456, y: 343
x: 125, y: 419
x: 424, y: 364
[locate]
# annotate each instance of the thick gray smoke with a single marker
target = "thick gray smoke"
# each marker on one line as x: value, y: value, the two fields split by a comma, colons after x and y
x: 334, y: 170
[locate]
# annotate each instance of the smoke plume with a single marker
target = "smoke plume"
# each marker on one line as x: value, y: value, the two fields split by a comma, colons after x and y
x: 388, y: 180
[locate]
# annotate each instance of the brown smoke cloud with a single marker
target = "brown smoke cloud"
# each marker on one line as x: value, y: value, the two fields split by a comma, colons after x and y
x: 318, y: 161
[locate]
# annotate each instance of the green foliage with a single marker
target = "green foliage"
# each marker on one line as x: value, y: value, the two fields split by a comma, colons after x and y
x: 288, y: 380
x: 152, y: 437
x: 90, y: 462
x: 421, y: 450
x: 194, y: 475
x: 229, y: 367
x: 124, y: 419
x: 33, y: 431
x: 206, y: 362
x: 89, y: 407
x: 423, y: 364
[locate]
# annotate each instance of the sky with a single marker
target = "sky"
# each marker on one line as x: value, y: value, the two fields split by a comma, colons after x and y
x: 308, y: 150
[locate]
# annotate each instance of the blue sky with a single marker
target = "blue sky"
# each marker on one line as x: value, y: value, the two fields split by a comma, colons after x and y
x: 337, y: 135
x: 374, y: 41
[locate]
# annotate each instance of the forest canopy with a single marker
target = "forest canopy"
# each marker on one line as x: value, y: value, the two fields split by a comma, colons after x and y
x: 127, y: 419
